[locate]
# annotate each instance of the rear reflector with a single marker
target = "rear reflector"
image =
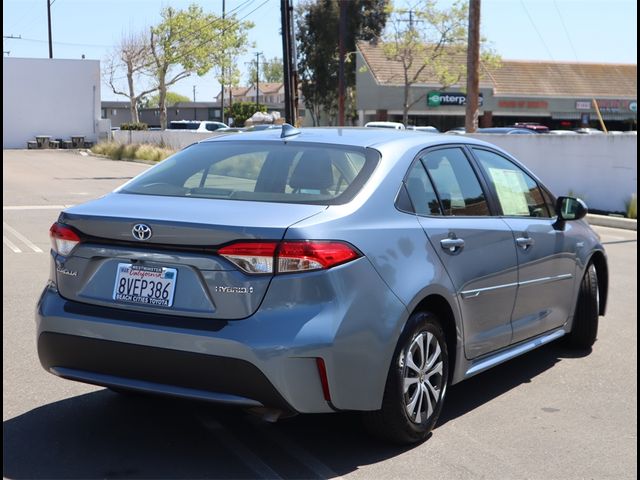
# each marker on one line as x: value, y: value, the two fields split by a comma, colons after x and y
x: 288, y: 256
x: 63, y: 239
x: 322, y: 371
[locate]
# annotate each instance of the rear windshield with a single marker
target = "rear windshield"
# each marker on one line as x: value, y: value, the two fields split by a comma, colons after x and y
x: 267, y: 172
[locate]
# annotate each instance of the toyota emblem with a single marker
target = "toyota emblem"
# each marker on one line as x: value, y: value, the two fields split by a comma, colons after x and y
x: 141, y: 231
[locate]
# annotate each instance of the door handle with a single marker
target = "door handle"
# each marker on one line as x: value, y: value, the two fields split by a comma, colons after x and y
x: 453, y: 245
x: 524, y: 242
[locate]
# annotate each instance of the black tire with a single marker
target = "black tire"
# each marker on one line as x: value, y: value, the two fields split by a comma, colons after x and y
x: 393, y: 421
x: 584, y: 330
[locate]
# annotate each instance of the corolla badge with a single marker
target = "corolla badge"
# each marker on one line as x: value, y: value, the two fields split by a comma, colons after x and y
x: 140, y: 231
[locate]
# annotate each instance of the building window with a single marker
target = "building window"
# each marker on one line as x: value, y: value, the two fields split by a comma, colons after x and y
x: 114, y: 112
x: 302, y: 112
x: 103, y: 113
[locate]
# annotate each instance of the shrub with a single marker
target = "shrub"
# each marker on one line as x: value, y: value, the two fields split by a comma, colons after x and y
x: 631, y: 206
x: 135, y: 151
x: 134, y: 126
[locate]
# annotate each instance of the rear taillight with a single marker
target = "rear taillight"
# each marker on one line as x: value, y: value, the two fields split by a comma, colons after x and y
x: 288, y: 256
x: 252, y: 257
x: 63, y: 239
x: 310, y: 255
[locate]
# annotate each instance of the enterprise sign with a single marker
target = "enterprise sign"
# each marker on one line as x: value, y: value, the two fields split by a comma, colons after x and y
x: 437, y: 99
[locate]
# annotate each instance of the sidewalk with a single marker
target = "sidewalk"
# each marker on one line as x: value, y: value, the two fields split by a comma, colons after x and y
x: 612, y: 222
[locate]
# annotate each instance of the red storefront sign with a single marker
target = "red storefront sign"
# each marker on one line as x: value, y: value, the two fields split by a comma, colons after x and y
x: 523, y: 104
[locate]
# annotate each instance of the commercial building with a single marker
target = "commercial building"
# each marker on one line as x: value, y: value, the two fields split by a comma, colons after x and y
x: 558, y: 95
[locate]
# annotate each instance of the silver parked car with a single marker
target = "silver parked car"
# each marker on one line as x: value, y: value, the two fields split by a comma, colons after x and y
x: 319, y: 270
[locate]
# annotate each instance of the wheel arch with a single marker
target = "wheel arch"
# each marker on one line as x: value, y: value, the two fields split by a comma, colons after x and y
x: 439, y: 306
x: 599, y: 261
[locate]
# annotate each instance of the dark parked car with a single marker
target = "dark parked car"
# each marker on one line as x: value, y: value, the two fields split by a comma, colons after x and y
x: 319, y: 270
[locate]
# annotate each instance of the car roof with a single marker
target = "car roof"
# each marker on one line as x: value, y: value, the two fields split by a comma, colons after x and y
x: 352, y: 136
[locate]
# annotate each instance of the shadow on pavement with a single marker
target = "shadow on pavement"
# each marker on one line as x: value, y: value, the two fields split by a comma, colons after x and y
x: 106, y: 435
x: 483, y: 388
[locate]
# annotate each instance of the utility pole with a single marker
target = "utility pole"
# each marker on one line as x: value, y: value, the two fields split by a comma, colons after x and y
x: 9, y: 37
x: 411, y: 20
x: 222, y: 76
x: 194, y: 93
x: 49, y: 22
x: 473, y: 68
x: 341, y: 83
x: 288, y: 63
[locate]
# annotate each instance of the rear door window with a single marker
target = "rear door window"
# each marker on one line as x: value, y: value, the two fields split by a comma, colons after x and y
x: 455, y: 182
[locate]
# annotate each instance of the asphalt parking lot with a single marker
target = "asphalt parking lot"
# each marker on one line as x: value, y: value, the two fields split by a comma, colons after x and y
x: 550, y: 414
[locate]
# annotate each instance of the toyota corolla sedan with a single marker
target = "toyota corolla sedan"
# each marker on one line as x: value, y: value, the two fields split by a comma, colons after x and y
x: 319, y: 270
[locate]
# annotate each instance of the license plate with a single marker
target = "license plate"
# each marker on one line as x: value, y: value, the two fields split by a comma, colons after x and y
x: 153, y: 286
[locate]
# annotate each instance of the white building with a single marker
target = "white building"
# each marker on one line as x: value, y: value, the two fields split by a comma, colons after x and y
x: 54, y: 97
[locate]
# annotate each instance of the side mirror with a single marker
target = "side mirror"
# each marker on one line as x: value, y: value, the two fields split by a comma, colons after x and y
x: 568, y: 209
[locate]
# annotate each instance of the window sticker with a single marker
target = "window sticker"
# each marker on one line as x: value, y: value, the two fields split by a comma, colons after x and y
x: 511, y: 187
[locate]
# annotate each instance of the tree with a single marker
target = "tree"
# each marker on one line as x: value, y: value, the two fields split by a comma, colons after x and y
x: 191, y: 41
x: 130, y: 57
x: 271, y: 71
x: 428, y: 40
x: 241, y: 111
x: 317, y: 41
x: 171, y: 99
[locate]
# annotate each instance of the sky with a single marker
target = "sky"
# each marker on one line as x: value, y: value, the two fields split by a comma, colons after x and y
x: 602, y: 31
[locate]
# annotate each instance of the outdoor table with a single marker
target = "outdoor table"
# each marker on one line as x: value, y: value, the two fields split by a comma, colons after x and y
x: 77, y: 141
x: 43, y: 141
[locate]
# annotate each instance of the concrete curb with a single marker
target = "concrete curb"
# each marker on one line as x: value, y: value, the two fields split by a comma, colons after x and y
x: 612, y: 222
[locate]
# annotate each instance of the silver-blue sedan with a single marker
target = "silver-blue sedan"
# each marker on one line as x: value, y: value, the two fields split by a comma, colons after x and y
x: 319, y: 270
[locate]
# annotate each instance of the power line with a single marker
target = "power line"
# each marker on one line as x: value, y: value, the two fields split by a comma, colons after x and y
x: 90, y: 45
x: 564, y: 27
x: 211, y: 23
x: 537, y: 31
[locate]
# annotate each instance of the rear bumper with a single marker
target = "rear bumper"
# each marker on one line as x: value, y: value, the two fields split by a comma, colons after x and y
x: 347, y: 316
x: 172, y: 372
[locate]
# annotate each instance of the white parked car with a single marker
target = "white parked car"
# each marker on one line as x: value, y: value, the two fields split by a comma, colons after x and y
x: 393, y: 125
x: 196, y: 125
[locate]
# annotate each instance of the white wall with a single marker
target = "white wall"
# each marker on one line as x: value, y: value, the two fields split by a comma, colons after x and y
x: 49, y: 97
x: 600, y: 169
x: 175, y: 139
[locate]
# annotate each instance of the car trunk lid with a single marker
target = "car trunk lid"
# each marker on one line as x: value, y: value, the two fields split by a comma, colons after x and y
x: 181, y: 252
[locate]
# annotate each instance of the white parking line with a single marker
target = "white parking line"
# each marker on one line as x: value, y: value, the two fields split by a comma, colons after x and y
x: 22, y: 238
x: 249, y: 458
x: 11, y: 245
x: 35, y: 207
